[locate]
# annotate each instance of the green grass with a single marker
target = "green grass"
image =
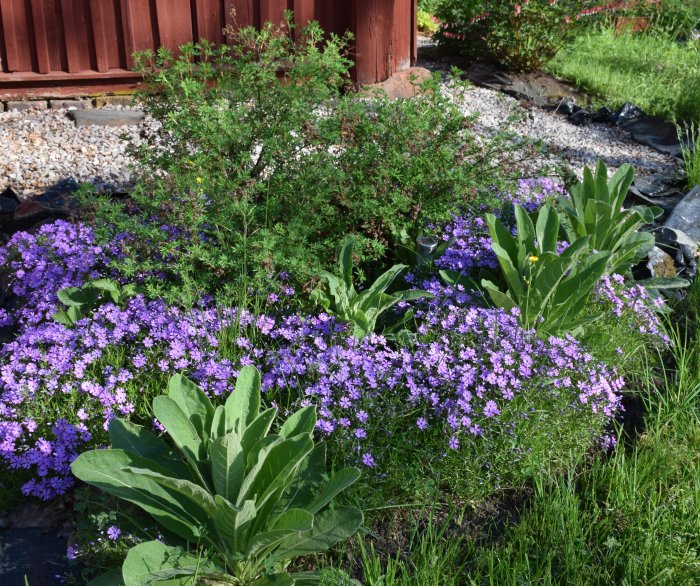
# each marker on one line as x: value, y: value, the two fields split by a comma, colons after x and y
x: 659, y: 75
x: 691, y: 154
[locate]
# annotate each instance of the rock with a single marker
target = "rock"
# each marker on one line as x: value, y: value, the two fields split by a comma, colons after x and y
x: 660, y: 264
x: 23, y: 106
x: 106, y: 117
x: 102, y: 101
x: 70, y: 104
x: 404, y: 84
x: 2, y: 106
x: 682, y: 248
x: 686, y: 216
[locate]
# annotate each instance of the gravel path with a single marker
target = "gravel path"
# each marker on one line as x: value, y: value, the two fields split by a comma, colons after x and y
x: 41, y: 147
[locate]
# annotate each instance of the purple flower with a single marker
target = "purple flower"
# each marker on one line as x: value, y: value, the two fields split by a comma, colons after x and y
x: 114, y: 532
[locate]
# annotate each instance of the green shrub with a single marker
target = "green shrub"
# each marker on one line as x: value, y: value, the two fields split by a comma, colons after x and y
x: 249, y: 500
x: 244, y: 174
x: 518, y: 34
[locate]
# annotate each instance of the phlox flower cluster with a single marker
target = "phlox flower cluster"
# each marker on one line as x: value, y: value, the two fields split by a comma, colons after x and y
x: 93, y: 372
x: 464, y: 368
x: 58, y: 255
x: 60, y: 387
x: 633, y: 301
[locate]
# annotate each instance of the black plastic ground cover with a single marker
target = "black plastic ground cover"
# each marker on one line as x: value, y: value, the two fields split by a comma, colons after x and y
x: 38, y: 554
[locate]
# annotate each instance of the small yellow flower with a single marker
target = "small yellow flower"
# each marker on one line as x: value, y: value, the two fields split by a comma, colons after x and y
x: 199, y: 180
x: 534, y: 258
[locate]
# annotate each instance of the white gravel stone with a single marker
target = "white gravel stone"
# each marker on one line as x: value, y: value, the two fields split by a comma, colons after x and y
x: 40, y: 148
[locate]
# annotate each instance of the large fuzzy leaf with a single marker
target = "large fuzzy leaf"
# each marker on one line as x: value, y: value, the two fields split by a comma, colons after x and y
x: 310, y: 475
x: 234, y: 523
x: 337, y: 484
x: 330, y: 527
x: 180, y: 428
x: 106, y: 470
x: 125, y: 435
x: 227, y: 465
x: 154, y: 562
x: 303, y: 421
x: 258, y: 429
x: 275, y: 467
x: 193, y: 403
x: 243, y: 405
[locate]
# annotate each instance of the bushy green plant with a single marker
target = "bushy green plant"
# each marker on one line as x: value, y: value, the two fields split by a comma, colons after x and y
x: 236, y: 503
x: 339, y: 297
x: 549, y: 288
x: 80, y: 301
x: 594, y: 210
x: 259, y: 163
x: 518, y: 34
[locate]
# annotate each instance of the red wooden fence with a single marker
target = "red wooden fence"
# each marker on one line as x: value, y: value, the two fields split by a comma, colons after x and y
x: 60, y: 47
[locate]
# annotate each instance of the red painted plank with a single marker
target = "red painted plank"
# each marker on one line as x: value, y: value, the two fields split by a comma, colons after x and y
x: 209, y: 24
x: 174, y: 23
x: 304, y: 12
x: 104, y: 33
x: 240, y: 13
x: 41, y: 37
x: 138, y: 28
x: 15, y: 24
x: 272, y: 11
x: 75, y: 32
x: 372, y: 21
x: 402, y: 35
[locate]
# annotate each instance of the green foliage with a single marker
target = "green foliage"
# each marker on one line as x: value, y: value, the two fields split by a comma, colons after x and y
x: 516, y: 34
x: 250, y: 501
x: 81, y: 301
x: 674, y: 19
x: 550, y: 289
x: 259, y: 162
x: 426, y: 23
x: 595, y: 211
x: 363, y: 310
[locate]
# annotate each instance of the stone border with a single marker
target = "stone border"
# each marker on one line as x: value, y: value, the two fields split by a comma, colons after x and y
x: 69, y: 104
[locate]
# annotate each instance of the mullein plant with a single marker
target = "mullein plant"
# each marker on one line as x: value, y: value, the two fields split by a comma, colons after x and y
x: 245, y: 501
x: 547, y: 285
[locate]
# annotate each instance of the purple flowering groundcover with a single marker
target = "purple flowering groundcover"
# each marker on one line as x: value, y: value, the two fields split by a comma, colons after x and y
x: 461, y: 378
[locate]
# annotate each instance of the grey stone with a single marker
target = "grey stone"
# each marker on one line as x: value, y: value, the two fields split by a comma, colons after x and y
x: 2, y: 106
x: 661, y: 264
x: 106, y: 117
x: 103, y: 101
x: 686, y: 216
x: 27, y: 105
x: 70, y: 104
